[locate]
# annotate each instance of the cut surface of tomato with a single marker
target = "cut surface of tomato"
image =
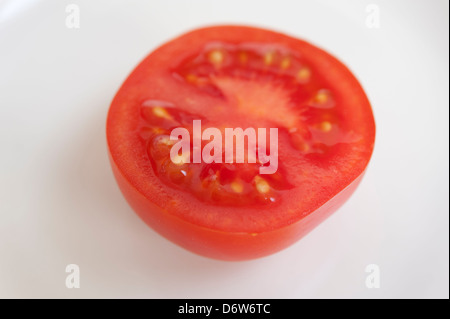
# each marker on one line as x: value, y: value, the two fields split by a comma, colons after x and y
x: 229, y: 77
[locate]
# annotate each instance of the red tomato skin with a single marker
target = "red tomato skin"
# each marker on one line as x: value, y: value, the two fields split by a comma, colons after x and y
x: 228, y: 246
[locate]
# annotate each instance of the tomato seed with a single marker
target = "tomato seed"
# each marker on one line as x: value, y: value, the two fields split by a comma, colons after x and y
x: 237, y: 187
x: 268, y: 58
x: 325, y: 126
x: 216, y: 57
x: 261, y: 185
x: 285, y: 63
x: 304, y: 75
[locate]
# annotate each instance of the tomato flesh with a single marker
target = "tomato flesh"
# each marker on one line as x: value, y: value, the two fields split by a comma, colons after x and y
x: 239, y: 77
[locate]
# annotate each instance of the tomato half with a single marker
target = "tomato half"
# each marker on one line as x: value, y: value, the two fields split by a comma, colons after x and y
x: 235, y: 76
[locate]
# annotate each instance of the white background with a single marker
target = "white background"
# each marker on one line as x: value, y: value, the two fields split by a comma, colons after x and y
x: 59, y: 203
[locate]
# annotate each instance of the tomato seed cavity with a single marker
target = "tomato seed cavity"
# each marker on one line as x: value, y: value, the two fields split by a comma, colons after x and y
x: 228, y: 72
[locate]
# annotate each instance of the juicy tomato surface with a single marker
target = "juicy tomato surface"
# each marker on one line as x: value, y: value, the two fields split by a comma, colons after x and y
x: 235, y: 76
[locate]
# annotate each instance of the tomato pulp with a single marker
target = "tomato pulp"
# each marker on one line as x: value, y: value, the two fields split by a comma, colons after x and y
x: 235, y: 76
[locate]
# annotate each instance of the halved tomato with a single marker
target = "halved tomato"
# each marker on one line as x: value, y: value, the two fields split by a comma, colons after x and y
x: 235, y: 76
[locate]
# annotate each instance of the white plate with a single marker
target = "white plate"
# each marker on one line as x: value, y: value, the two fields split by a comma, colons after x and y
x: 59, y: 203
